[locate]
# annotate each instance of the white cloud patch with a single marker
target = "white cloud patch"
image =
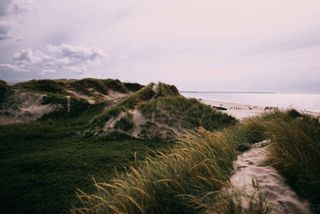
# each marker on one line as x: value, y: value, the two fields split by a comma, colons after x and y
x: 62, y: 57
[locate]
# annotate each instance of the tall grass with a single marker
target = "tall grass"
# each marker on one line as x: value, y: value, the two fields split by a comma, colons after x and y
x: 189, y: 178
x: 296, y: 152
x: 192, y: 177
x: 184, y: 180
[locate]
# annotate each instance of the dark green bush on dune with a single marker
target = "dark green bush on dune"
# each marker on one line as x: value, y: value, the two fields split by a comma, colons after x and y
x: 5, y: 90
x: 133, y: 86
x: 43, y: 86
x: 178, y: 111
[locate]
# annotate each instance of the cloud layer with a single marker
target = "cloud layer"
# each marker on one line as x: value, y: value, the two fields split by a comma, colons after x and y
x: 62, y: 57
x: 197, y: 45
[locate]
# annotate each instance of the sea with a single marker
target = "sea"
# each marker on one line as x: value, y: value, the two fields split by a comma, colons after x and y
x: 300, y: 101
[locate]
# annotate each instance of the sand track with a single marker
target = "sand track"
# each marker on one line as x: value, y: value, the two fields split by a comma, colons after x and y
x: 250, y: 169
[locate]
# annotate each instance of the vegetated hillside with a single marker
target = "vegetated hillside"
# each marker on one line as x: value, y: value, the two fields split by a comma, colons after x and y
x: 192, y: 177
x: 44, y: 158
x: 129, y: 109
x: 157, y: 111
x: 29, y: 101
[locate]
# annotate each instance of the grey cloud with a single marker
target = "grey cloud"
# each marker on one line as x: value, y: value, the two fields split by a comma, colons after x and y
x: 4, y: 7
x: 76, y: 53
x: 12, y: 7
x: 62, y: 57
x: 10, y: 10
x: 10, y: 67
x: 4, y: 32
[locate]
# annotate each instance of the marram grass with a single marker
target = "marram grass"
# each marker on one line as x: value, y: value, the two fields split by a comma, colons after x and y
x: 192, y: 177
x: 184, y: 180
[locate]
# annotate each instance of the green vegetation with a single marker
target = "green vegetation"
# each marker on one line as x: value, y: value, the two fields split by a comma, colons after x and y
x: 133, y: 86
x: 42, y: 164
x: 296, y: 152
x: 192, y: 176
x: 178, y: 111
x: 5, y: 90
x: 43, y: 86
x: 131, y: 101
x: 125, y: 123
x: 182, y: 181
x: 99, y: 85
x: 187, y: 179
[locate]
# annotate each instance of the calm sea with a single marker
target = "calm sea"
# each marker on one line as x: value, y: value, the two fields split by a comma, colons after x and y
x: 310, y: 102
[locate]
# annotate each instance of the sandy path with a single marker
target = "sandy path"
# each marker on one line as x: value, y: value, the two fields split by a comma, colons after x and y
x: 250, y: 167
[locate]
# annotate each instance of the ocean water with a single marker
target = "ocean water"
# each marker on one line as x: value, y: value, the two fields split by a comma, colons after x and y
x: 309, y: 102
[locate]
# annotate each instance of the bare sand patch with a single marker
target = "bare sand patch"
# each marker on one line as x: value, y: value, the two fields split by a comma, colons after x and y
x: 251, y: 171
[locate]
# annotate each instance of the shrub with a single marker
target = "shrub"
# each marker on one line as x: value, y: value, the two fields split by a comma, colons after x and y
x: 178, y: 111
x: 43, y: 86
x: 125, y: 123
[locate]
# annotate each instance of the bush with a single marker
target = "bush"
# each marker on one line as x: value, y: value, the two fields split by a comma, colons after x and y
x: 178, y: 111
x: 125, y: 123
x: 133, y: 86
x: 43, y: 86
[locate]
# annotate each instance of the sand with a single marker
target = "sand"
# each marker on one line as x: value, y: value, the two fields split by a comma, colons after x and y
x: 242, y: 111
x: 251, y: 172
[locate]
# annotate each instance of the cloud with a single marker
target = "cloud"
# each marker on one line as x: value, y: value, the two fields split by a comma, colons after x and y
x: 10, y: 67
x: 64, y: 57
x: 66, y: 51
x: 4, y: 31
x: 10, y: 12
x: 30, y: 57
x: 12, y: 7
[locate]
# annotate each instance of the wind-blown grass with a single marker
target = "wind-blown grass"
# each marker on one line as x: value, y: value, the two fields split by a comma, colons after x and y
x: 184, y: 180
x: 193, y: 176
x: 187, y: 179
x: 296, y: 152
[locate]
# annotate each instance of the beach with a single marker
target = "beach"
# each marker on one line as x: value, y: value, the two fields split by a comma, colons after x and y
x: 242, y: 111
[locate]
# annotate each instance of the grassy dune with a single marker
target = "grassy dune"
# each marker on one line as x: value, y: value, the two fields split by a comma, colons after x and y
x: 178, y: 111
x: 187, y: 179
x: 190, y: 178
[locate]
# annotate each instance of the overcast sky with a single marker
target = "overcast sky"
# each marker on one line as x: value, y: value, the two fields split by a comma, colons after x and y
x: 234, y: 45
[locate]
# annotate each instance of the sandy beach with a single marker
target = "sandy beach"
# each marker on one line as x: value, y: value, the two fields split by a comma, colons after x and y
x: 242, y: 111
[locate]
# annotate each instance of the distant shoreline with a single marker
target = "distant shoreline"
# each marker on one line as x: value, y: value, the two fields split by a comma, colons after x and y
x: 245, y: 92
x: 243, y: 110
x: 228, y: 92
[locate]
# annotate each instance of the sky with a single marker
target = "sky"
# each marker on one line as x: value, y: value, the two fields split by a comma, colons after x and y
x: 205, y: 45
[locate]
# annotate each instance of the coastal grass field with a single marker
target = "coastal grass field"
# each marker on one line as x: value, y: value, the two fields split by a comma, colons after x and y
x: 192, y: 176
x: 41, y: 169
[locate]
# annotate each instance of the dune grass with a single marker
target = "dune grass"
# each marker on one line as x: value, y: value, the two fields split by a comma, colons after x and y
x: 296, y: 152
x: 184, y: 180
x: 43, y: 86
x: 180, y: 112
x: 189, y: 178
x: 193, y: 176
